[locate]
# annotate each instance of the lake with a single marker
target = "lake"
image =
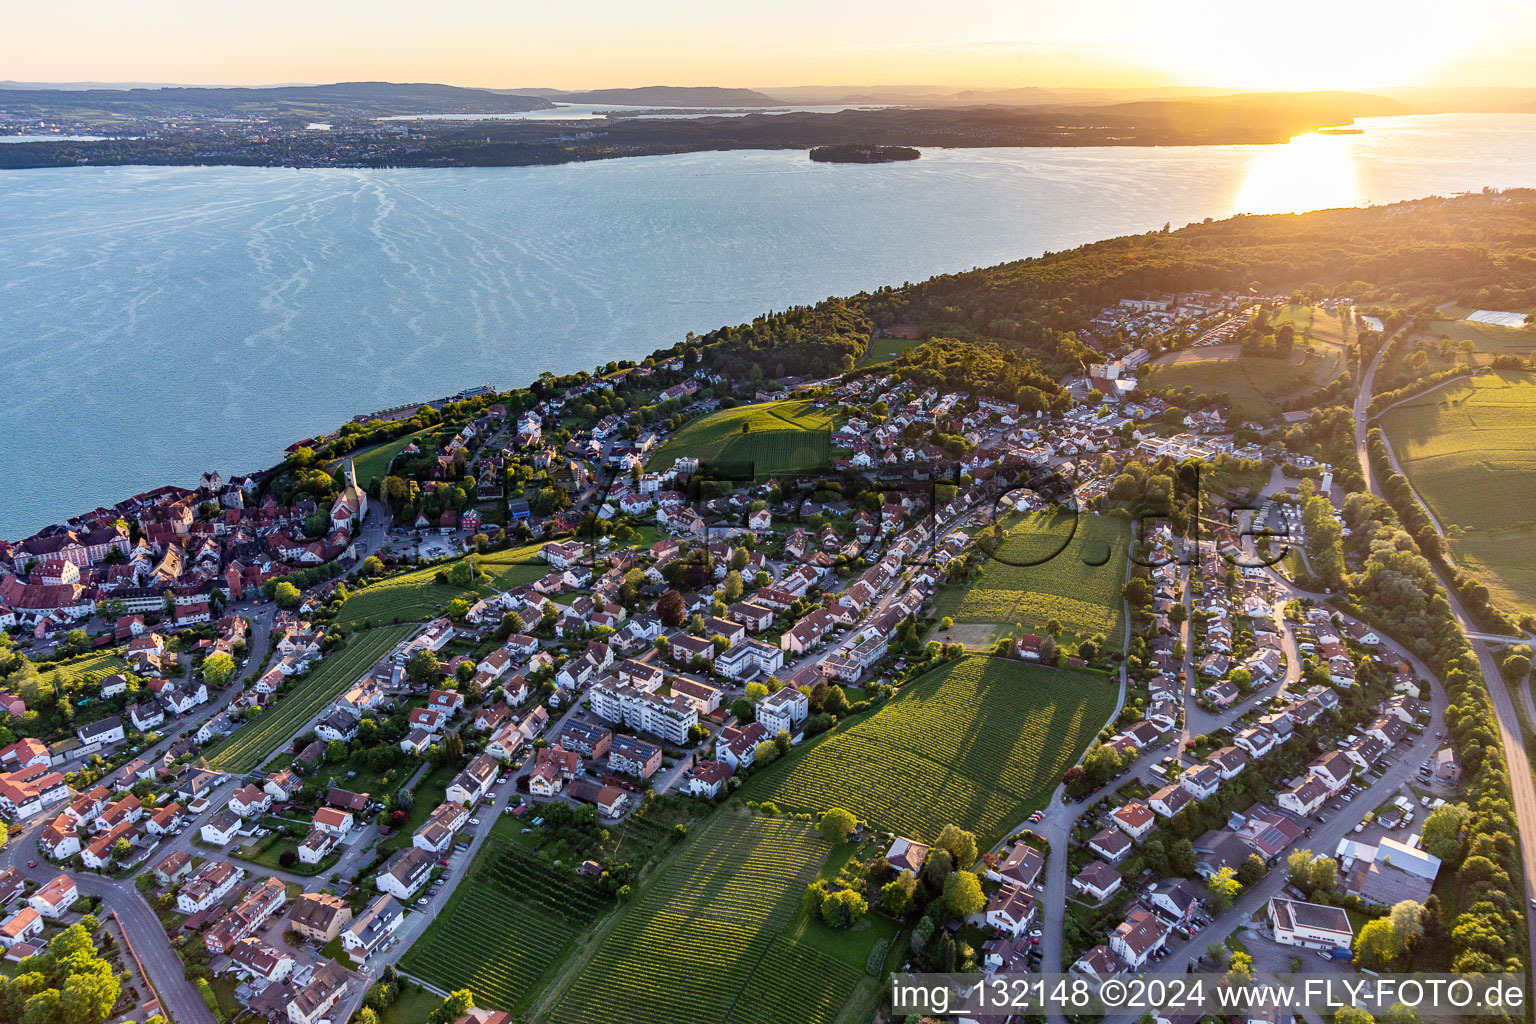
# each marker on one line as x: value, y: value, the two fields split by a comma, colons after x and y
x: 156, y: 322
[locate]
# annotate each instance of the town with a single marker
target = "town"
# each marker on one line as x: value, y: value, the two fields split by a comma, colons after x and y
x: 518, y: 661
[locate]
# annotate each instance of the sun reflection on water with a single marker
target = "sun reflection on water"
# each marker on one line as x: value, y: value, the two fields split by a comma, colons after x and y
x: 1311, y: 172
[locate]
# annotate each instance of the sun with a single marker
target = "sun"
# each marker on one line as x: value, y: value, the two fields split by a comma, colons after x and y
x: 1306, y: 45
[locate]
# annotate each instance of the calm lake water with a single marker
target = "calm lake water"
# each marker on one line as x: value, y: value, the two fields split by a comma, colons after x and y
x: 157, y: 322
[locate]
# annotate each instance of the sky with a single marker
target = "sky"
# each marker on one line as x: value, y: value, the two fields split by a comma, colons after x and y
x: 577, y: 44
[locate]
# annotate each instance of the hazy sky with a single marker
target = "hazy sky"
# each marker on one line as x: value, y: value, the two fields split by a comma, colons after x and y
x: 1302, y: 44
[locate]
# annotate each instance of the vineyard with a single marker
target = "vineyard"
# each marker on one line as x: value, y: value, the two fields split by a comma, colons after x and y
x: 506, y: 927
x: 714, y: 937
x: 415, y: 595
x: 980, y: 742
x: 247, y: 748
x: 1046, y: 569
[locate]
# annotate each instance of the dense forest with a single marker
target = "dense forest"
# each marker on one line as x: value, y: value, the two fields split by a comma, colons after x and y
x: 1478, y: 250
x: 1023, y: 318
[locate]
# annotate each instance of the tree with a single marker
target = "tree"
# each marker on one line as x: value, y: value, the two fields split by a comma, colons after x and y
x: 422, y: 668
x: 1181, y: 858
x: 755, y: 692
x: 465, y: 671
x: 1352, y: 1015
x: 960, y: 844
x: 455, y: 1006
x: 1323, y: 876
x: 843, y: 909
x: 672, y: 609
x: 336, y: 751
x: 373, y: 565
x: 1442, y: 831
x: 963, y: 895
x: 1377, y: 945
x: 1240, y: 970
x: 836, y: 701
x: 285, y: 594
x: 742, y: 709
x: 1251, y: 870
x: 1298, y: 868
x: 896, y: 895
x: 837, y: 825
x: 1221, y: 889
x: 1407, y: 920
x: 218, y: 669
x: 733, y: 587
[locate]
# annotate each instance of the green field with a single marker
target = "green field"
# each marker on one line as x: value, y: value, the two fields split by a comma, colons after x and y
x: 979, y: 743
x: 373, y: 463
x: 779, y: 437
x: 415, y: 596
x: 535, y: 911
x: 250, y: 746
x: 1489, y: 338
x: 1076, y: 579
x: 1252, y: 385
x: 718, y: 935
x: 883, y: 350
x: 1467, y: 449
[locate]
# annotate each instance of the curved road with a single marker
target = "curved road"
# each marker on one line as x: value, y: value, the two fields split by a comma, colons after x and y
x: 1521, y: 787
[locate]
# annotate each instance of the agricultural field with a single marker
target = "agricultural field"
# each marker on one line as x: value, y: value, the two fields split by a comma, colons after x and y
x: 248, y: 747
x: 415, y: 596
x: 1467, y: 450
x: 1489, y: 339
x: 765, y: 439
x: 719, y: 935
x: 1313, y: 322
x: 979, y: 743
x: 1065, y: 567
x: 1252, y: 385
x: 504, y: 929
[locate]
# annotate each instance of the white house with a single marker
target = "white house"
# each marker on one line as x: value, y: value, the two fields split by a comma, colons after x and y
x: 1312, y: 925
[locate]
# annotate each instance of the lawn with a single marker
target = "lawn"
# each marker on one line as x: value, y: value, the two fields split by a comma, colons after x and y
x: 719, y: 935
x: 427, y: 794
x: 415, y: 595
x: 1252, y: 385
x: 253, y: 744
x: 1467, y: 450
x: 537, y: 910
x: 1064, y: 567
x: 883, y: 350
x: 978, y: 743
x: 761, y: 440
x: 414, y: 1005
x: 373, y: 463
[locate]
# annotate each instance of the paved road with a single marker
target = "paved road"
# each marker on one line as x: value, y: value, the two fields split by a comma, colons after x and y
x: 1520, y: 783
x: 1324, y: 838
x: 179, y: 996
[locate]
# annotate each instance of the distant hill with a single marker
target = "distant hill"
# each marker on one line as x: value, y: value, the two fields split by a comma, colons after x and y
x: 674, y: 96
x: 343, y: 99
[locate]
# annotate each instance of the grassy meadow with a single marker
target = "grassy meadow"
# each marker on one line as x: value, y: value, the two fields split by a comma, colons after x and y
x: 764, y: 439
